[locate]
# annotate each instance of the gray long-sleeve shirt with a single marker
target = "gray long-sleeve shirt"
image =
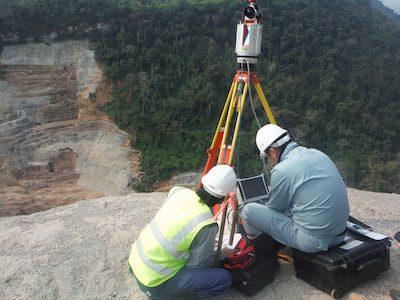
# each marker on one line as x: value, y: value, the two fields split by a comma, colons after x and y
x: 202, y: 253
x: 306, y: 186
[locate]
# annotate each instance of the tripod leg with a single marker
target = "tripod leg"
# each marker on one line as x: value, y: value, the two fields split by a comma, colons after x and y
x: 219, y: 132
x: 238, y: 120
x: 263, y: 99
x: 224, y: 150
x: 223, y: 114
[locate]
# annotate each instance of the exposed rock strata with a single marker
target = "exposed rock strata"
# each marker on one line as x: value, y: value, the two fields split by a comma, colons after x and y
x: 55, y: 146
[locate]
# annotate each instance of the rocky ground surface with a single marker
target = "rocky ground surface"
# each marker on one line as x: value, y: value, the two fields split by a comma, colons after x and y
x: 80, y: 251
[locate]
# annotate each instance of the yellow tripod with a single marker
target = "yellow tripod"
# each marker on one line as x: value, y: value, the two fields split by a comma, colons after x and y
x: 234, y: 104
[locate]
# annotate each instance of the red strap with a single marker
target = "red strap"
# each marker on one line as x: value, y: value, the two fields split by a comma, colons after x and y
x: 230, y: 199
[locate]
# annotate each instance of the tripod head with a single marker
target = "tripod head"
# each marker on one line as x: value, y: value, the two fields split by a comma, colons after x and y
x: 248, y: 34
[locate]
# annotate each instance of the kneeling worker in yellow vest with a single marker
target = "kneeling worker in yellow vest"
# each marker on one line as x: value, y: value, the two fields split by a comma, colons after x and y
x: 174, y: 255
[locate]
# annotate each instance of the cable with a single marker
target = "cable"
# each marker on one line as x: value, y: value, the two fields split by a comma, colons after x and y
x: 258, y: 123
x: 238, y: 151
x: 251, y: 98
x: 240, y: 123
x: 266, y: 171
x: 255, y: 117
x: 230, y: 210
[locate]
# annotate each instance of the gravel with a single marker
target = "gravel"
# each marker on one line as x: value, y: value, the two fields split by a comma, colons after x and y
x: 80, y: 251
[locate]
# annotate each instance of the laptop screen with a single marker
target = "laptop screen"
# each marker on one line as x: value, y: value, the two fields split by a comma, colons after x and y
x: 253, y: 189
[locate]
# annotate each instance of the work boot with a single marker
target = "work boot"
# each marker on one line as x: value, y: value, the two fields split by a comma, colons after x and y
x: 286, y: 254
x: 395, y: 294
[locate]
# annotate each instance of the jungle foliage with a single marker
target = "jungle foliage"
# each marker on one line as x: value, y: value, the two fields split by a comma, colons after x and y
x: 330, y: 70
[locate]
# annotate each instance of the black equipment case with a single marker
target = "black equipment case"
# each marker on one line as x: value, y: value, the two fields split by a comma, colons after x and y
x: 358, y: 259
x: 252, y: 279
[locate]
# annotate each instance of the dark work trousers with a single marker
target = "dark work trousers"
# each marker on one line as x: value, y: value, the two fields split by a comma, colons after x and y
x: 191, y: 282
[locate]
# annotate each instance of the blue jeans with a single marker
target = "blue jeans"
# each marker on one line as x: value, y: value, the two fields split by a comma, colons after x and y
x: 198, y: 282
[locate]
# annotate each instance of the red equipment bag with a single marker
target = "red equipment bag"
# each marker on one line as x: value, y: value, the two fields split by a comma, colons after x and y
x: 244, y: 256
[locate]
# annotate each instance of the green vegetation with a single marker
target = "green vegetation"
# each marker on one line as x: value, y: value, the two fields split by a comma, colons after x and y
x: 330, y: 70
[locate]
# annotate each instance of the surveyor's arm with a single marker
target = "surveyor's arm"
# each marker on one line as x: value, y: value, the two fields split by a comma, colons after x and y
x: 202, y: 252
x: 279, y: 195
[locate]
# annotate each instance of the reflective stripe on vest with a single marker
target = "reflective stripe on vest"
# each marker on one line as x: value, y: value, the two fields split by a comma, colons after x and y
x: 163, y: 246
x: 149, y: 263
x: 170, y: 246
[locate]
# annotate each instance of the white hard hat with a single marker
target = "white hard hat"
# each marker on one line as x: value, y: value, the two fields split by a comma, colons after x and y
x: 219, y: 181
x: 271, y: 135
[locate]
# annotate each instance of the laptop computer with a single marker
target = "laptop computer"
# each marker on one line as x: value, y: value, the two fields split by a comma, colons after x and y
x: 253, y: 189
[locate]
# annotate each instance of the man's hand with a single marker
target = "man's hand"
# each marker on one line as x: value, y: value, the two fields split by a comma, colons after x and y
x: 228, y: 252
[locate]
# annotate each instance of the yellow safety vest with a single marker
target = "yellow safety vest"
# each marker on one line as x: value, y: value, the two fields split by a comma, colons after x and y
x: 163, y: 246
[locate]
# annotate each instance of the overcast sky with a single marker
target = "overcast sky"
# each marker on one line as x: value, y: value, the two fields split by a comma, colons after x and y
x: 393, y: 4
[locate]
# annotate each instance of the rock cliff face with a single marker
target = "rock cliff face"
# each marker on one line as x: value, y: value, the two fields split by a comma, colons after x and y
x: 55, y: 146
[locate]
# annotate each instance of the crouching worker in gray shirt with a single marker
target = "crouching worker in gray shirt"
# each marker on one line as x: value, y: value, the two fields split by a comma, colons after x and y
x: 174, y: 255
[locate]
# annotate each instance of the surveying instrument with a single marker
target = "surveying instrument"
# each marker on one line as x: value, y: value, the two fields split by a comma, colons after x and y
x: 248, y: 47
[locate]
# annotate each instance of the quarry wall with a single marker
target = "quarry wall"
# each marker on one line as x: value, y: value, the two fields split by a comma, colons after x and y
x: 53, y: 139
